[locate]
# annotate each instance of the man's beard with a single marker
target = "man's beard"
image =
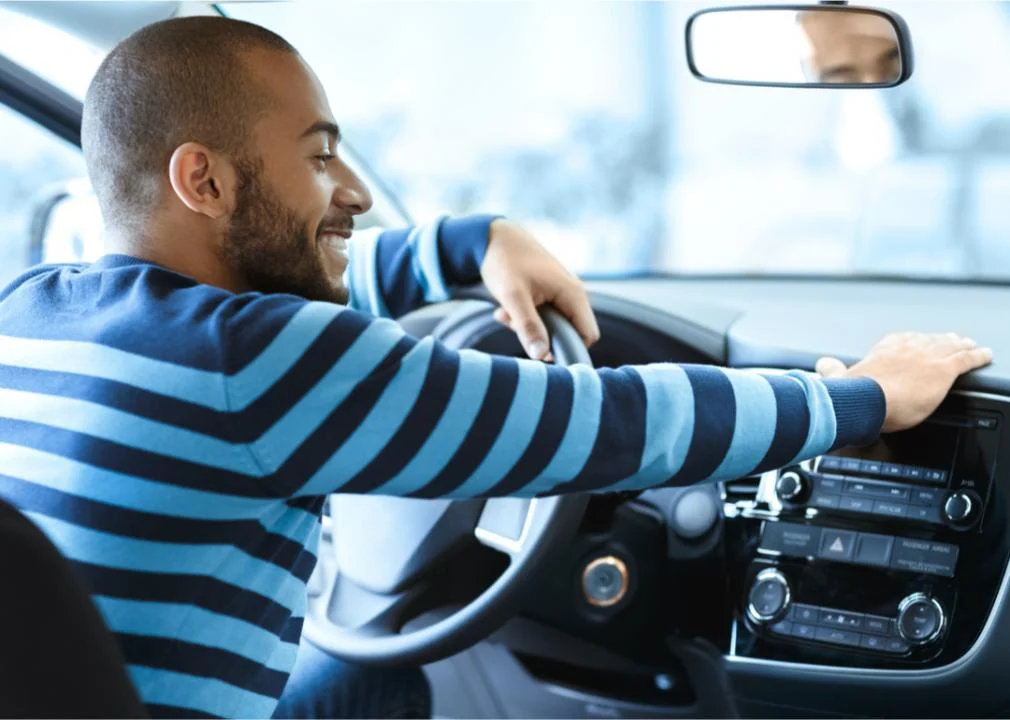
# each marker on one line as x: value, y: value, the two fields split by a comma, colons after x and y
x: 267, y: 245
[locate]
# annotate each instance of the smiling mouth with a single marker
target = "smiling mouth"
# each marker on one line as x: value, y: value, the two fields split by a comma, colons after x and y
x: 336, y: 239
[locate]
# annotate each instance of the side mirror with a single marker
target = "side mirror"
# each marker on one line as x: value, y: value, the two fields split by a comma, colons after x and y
x: 823, y: 46
x: 66, y: 225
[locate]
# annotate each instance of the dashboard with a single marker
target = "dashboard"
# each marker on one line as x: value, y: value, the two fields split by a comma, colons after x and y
x: 866, y: 582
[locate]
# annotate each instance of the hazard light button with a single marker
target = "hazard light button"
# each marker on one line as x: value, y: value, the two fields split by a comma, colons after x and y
x: 837, y: 544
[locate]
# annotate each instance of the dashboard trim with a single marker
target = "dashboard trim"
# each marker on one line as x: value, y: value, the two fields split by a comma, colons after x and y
x: 984, y: 637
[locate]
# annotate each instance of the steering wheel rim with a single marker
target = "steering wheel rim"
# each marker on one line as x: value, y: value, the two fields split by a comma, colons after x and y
x: 549, y: 523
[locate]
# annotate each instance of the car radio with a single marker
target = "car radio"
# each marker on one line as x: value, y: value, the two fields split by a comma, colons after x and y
x: 864, y: 550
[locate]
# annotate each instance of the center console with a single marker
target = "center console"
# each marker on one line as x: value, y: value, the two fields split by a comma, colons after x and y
x: 887, y: 556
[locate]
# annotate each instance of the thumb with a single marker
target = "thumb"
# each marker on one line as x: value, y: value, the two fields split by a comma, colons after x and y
x: 527, y: 324
x: 830, y: 367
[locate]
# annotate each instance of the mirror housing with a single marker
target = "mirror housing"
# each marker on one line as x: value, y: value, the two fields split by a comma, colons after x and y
x: 832, y: 45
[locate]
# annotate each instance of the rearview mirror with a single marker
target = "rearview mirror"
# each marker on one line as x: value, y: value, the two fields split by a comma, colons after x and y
x: 825, y: 46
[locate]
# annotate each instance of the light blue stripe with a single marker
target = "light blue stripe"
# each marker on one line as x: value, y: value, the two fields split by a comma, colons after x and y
x: 580, y: 435
x: 287, y: 348
x: 669, y: 425
x: 823, y: 425
x: 276, y: 445
x: 293, y: 523
x: 196, y: 625
x: 756, y: 413
x: 116, y: 426
x: 133, y: 493
x: 365, y: 295
x: 415, y: 261
x: 378, y: 428
x: 200, y: 387
x: 516, y: 432
x: 426, y: 264
x: 226, y: 563
x: 216, y: 697
x: 451, y: 428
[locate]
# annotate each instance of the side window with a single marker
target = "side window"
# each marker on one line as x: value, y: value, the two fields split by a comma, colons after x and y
x: 35, y: 169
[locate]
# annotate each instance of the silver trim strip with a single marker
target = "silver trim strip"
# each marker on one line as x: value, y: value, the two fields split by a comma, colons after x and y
x: 983, y: 637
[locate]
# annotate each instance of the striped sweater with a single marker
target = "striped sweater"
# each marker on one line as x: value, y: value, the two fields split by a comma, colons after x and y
x: 176, y: 441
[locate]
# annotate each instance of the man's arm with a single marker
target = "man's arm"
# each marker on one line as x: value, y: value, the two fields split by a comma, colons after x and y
x: 392, y: 272
x: 339, y: 401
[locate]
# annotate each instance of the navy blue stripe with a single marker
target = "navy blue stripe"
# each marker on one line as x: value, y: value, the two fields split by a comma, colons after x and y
x: 482, y: 434
x: 554, y: 418
x: 400, y: 290
x: 121, y: 396
x: 320, y: 357
x: 248, y: 535
x: 714, y: 423
x: 341, y: 423
x: 620, y: 443
x: 792, y: 424
x: 439, y: 383
x: 239, y: 427
x: 256, y: 319
x: 310, y: 503
x: 292, y: 632
x: 202, y: 661
x: 462, y: 244
x: 200, y: 590
x: 129, y: 461
x: 170, y: 711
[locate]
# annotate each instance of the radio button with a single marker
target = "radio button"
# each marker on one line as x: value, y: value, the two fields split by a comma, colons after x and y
x: 824, y: 501
x: 851, y: 465
x: 896, y: 646
x: 890, y: 509
x: 830, y: 462
x: 936, y: 476
x: 871, y: 467
x: 856, y: 504
x: 925, y: 514
x: 829, y: 483
x: 926, y: 496
x: 914, y: 473
x: 891, y: 470
x: 782, y: 628
x: 873, y: 550
x: 880, y: 491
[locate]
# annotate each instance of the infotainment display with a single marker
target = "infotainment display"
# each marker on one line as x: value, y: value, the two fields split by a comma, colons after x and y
x: 931, y: 445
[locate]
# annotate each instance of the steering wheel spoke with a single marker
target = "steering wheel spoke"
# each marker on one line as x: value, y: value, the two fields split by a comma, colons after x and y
x: 504, y: 524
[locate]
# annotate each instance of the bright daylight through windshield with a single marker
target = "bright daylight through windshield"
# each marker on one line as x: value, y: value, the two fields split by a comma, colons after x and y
x: 587, y: 126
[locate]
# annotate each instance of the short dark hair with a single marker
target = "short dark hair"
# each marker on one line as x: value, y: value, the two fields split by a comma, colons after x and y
x: 176, y: 81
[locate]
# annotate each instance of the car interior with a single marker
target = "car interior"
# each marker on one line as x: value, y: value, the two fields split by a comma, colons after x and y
x: 868, y: 582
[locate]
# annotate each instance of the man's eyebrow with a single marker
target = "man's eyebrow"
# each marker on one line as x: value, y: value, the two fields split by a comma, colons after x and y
x: 324, y: 126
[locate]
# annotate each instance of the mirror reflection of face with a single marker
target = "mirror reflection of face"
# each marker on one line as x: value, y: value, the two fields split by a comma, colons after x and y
x: 851, y: 47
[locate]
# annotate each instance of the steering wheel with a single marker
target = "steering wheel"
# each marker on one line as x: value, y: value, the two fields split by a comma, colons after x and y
x: 378, y: 555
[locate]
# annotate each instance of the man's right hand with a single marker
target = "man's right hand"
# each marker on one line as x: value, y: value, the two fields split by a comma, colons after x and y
x: 915, y: 371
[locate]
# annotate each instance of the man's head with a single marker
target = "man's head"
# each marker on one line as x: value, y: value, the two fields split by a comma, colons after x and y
x: 850, y: 47
x: 212, y: 149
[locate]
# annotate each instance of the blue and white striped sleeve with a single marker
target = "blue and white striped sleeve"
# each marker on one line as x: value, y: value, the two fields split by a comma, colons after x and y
x: 391, y: 272
x: 339, y: 401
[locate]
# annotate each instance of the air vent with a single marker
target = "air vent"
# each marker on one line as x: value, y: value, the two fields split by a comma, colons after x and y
x: 743, y: 490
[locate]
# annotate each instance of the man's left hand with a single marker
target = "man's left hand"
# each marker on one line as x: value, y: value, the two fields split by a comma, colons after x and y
x: 521, y: 275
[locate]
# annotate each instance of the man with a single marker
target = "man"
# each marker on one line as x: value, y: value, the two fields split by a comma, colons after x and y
x: 850, y: 47
x: 173, y: 415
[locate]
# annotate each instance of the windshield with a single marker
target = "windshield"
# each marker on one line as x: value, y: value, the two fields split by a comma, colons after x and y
x: 583, y: 122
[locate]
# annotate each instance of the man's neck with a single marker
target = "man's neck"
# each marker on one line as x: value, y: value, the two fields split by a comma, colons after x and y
x: 187, y: 255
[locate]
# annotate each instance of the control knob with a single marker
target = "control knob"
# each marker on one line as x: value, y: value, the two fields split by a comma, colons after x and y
x: 769, y: 596
x: 921, y: 619
x: 791, y: 486
x: 961, y: 508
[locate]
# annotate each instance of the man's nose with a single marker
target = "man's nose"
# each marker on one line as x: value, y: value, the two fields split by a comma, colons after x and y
x: 351, y: 194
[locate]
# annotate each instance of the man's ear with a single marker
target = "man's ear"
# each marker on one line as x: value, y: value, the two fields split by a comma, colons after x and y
x: 202, y: 179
